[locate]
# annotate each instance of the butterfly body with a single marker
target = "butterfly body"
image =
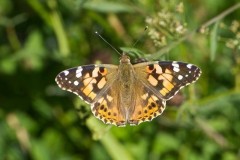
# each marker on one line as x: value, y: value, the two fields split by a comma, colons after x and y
x: 128, y: 94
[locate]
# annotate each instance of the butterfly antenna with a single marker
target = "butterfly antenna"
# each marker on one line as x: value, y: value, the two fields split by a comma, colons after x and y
x: 138, y: 39
x: 146, y: 28
x: 108, y: 43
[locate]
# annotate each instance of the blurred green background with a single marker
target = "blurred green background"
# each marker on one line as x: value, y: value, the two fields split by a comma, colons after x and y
x: 40, y: 38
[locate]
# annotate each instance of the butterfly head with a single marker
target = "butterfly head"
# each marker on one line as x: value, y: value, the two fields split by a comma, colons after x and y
x: 125, y: 58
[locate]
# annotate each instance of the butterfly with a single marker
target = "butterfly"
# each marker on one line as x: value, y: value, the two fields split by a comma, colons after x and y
x: 128, y: 94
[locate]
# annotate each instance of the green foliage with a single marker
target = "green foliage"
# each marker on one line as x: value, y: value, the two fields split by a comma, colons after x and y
x: 41, y: 38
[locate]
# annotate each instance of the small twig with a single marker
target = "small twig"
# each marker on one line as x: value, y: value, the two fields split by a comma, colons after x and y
x: 221, y: 16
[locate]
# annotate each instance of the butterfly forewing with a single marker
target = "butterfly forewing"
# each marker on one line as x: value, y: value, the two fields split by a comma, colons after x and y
x: 166, y: 78
x: 86, y: 81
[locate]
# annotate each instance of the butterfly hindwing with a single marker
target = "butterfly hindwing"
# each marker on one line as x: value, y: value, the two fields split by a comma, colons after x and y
x: 147, y: 105
x: 108, y: 107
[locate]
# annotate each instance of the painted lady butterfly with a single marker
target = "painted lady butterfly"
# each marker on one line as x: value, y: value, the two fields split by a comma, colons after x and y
x: 128, y: 93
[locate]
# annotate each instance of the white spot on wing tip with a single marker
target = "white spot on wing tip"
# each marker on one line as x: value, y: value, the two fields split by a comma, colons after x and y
x: 176, y: 69
x: 175, y: 66
x: 66, y: 72
x: 79, y: 72
x: 180, y: 77
x: 189, y: 66
x: 76, y: 83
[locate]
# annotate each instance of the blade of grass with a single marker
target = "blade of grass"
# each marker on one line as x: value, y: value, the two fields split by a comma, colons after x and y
x: 213, y: 41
